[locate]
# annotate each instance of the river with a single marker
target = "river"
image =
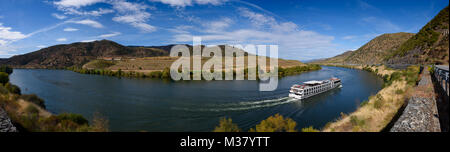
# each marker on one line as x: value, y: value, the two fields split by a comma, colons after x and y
x: 132, y: 104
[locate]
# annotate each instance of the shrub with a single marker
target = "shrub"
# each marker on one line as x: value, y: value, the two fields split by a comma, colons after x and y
x: 33, y: 99
x: 31, y: 109
x: 399, y: 91
x: 99, y: 123
x: 77, y: 118
x: 362, y: 104
x: 166, y: 73
x: 4, y: 78
x: 13, y: 88
x: 310, y: 129
x: 378, y: 103
x: 357, y: 122
x: 3, y: 90
x: 276, y: 123
x: 6, y: 69
x: 226, y: 125
x: 102, y: 64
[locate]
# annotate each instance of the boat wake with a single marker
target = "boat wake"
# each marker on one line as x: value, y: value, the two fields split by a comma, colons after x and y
x: 240, y: 106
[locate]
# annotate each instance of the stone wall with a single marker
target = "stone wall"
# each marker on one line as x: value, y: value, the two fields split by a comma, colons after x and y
x: 420, y: 114
x: 5, y: 122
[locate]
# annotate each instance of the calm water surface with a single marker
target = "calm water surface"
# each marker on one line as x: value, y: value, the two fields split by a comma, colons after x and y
x: 156, y: 105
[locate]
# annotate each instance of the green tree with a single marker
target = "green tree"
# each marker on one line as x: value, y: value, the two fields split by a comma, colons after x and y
x: 310, y: 129
x: 166, y: 73
x: 13, y: 88
x: 6, y: 69
x: 276, y: 123
x: 227, y: 125
x: 4, y: 78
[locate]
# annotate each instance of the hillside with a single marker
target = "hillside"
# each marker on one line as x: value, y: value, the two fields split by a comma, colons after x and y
x: 429, y: 46
x: 109, y: 55
x: 338, y: 59
x: 77, y: 54
x: 373, y: 52
x: 378, y: 48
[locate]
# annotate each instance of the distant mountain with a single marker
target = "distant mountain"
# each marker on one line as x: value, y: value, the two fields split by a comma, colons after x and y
x: 373, y: 52
x: 80, y: 53
x: 77, y: 54
x: 429, y: 46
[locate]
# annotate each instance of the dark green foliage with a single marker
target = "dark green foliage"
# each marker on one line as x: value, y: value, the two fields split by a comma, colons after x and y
x: 166, y: 73
x: 3, y: 90
x: 31, y: 109
x: 310, y: 129
x: 6, y: 69
x: 102, y: 64
x: 77, y: 118
x: 283, y: 72
x: 426, y: 37
x: 357, y: 122
x: 33, y: 99
x: 13, y: 88
x: 362, y: 104
x: 411, y: 75
x: 4, y: 78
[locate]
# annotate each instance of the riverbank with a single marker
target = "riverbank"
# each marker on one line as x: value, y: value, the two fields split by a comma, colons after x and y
x: 377, y: 112
x: 27, y: 113
x: 165, y: 74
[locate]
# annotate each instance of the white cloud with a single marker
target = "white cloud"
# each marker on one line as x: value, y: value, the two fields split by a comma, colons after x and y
x: 88, y: 22
x: 125, y: 7
x: 179, y: 3
x: 6, y: 34
x: 41, y: 46
x: 292, y: 41
x: 58, y: 16
x: 133, y: 18
x: 75, y: 11
x: 76, y: 3
x: 144, y: 27
x: 218, y: 25
x: 61, y: 39
x: 73, y: 7
x: 183, y: 3
x: 110, y: 35
x: 133, y: 14
x: 182, y: 29
x: 2, y: 42
x: 88, y: 41
x: 69, y: 29
x: 257, y: 19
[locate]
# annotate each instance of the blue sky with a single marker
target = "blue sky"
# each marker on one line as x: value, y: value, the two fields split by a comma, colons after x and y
x: 303, y: 29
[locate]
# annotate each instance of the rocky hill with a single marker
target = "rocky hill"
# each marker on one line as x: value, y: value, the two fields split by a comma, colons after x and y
x: 378, y: 48
x: 77, y: 54
x: 429, y: 46
x: 373, y: 52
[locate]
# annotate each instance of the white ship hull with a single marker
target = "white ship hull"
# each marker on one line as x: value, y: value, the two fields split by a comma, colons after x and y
x: 312, y: 88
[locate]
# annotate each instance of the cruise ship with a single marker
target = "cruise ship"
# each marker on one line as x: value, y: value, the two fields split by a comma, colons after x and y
x: 311, y: 88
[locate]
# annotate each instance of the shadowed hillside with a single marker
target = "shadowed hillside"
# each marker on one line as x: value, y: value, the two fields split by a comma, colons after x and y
x: 430, y: 45
x: 372, y: 52
x: 77, y: 54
